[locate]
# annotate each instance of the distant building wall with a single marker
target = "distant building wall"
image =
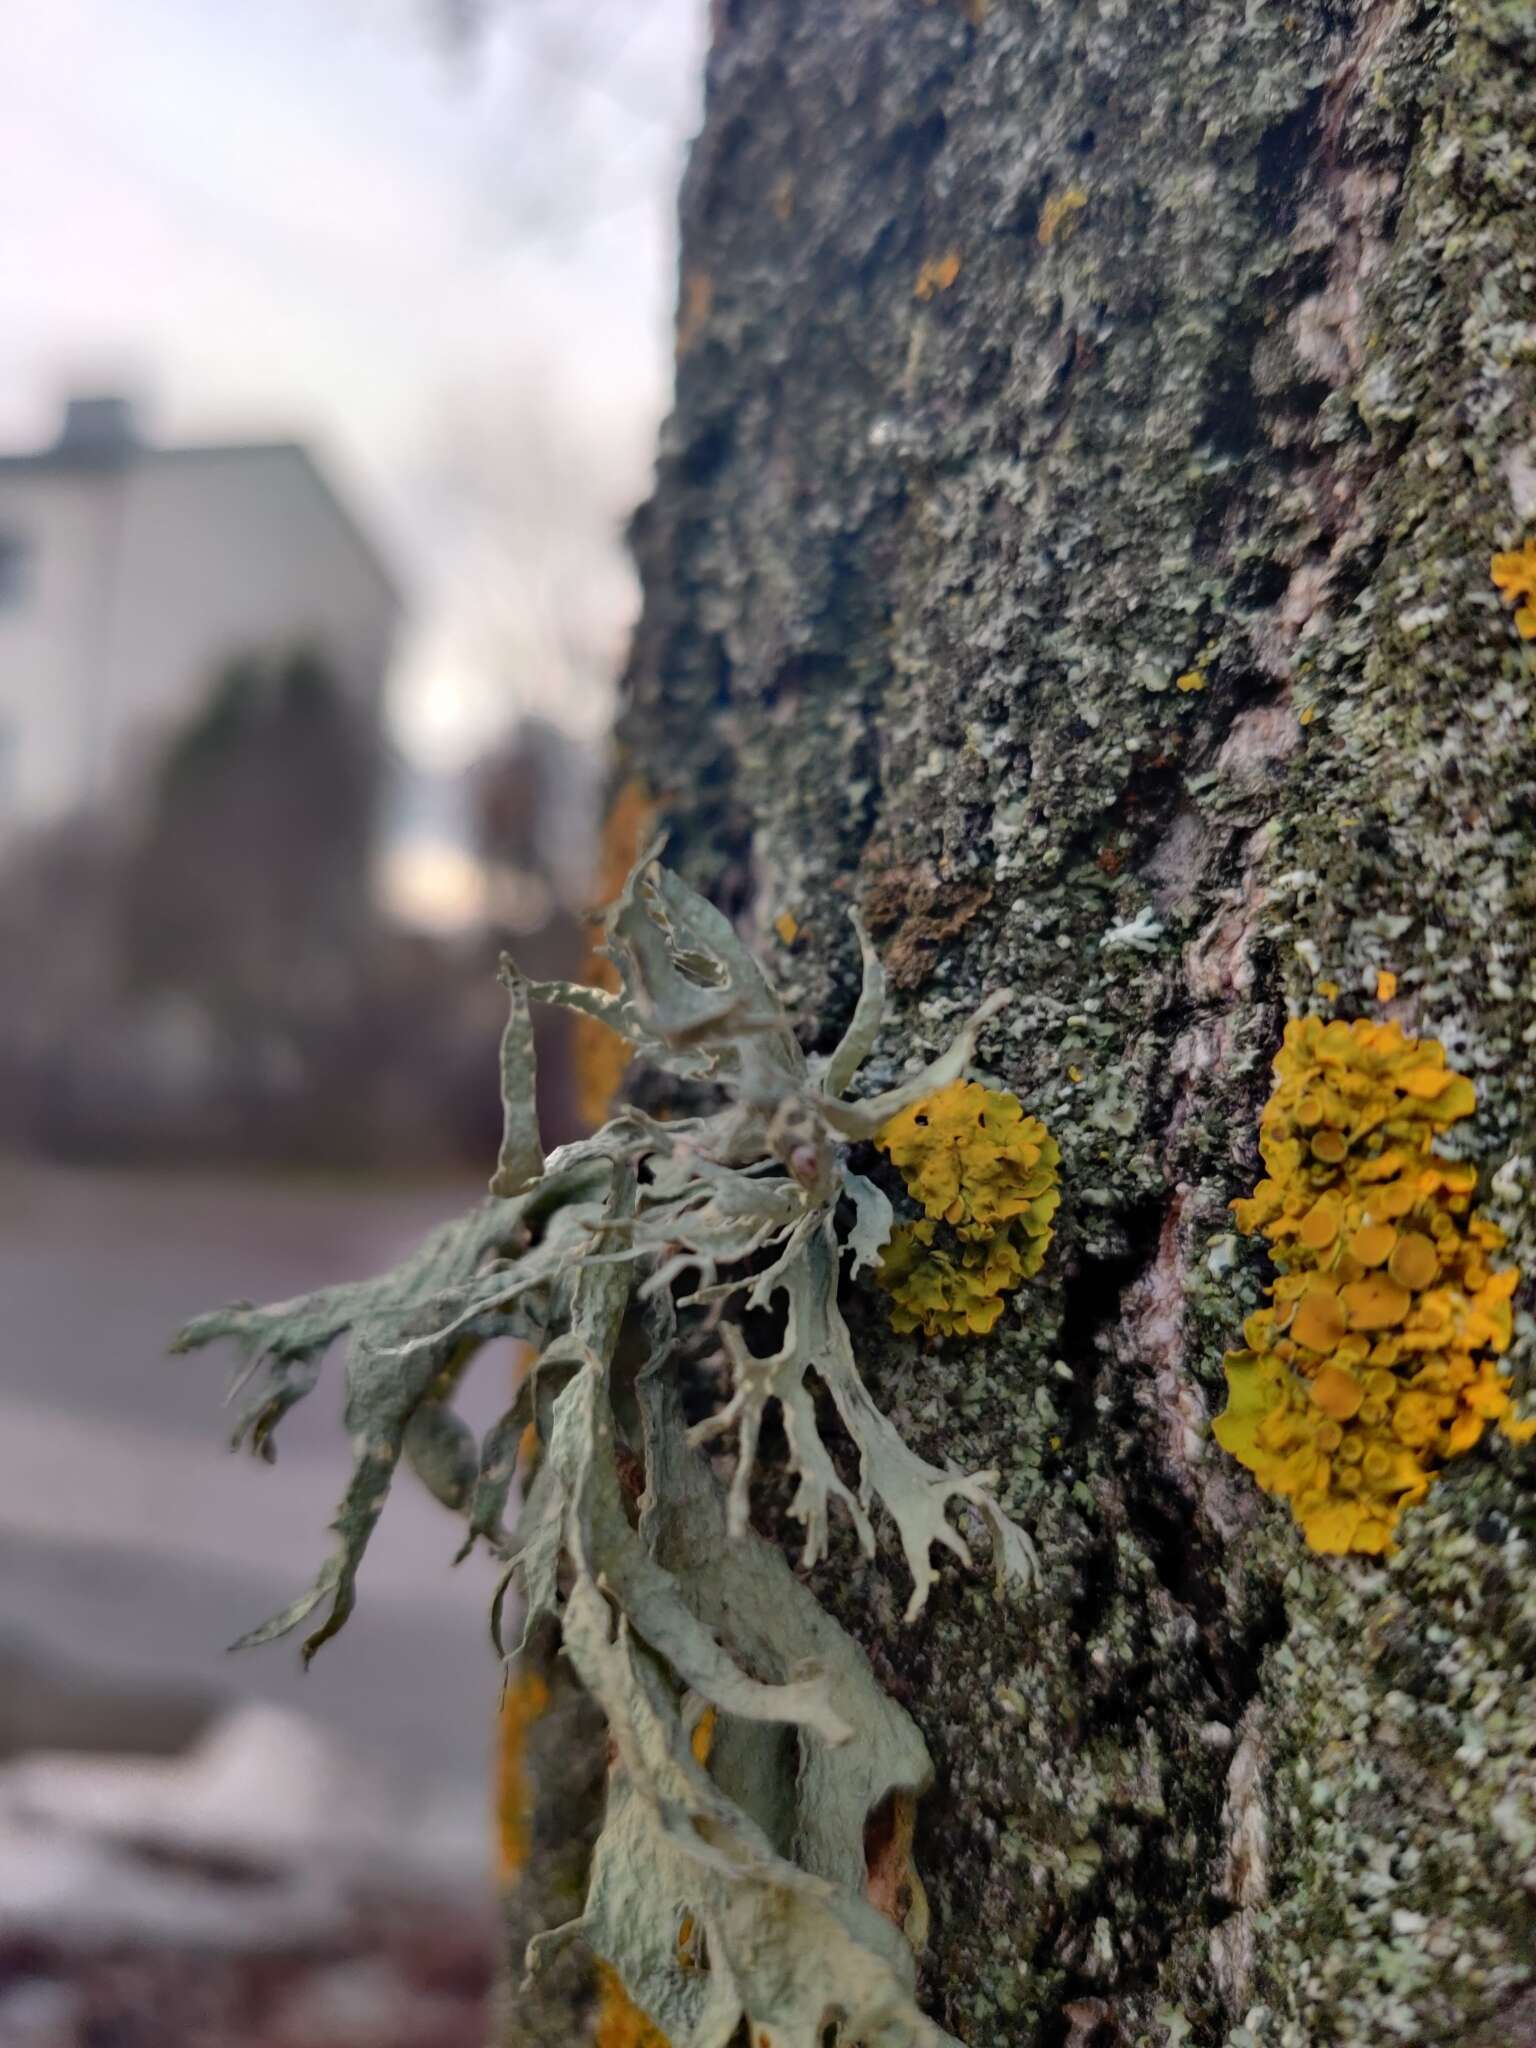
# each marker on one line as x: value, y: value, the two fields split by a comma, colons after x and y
x: 129, y: 575
x: 56, y: 547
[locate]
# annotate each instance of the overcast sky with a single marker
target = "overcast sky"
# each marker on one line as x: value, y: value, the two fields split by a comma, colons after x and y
x: 448, y: 266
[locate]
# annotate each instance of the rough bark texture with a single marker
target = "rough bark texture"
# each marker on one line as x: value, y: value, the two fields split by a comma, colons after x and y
x: 963, y: 474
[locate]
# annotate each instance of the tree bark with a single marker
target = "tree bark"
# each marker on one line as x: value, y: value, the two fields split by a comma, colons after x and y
x: 1033, y: 357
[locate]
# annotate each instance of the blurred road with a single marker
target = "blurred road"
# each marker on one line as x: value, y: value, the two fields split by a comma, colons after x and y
x: 135, y: 1547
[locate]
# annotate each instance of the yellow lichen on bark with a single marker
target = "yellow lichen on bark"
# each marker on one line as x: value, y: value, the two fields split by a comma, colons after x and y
x: 1377, y: 1358
x: 599, y: 1055
x: 524, y: 1700
x: 620, y: 2022
x: 988, y: 1174
x: 1514, y: 575
x: 937, y: 274
x: 695, y: 306
x: 1056, y: 216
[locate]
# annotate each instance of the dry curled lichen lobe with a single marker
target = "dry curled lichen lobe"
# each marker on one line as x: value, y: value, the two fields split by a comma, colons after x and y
x: 1377, y: 1358
x: 988, y: 1172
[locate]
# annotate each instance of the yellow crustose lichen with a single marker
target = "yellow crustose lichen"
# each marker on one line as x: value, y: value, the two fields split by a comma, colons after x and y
x: 1515, y: 576
x: 1376, y: 1360
x: 987, y: 1178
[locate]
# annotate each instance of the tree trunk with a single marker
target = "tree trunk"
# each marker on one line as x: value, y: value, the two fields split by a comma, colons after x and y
x: 1094, y: 425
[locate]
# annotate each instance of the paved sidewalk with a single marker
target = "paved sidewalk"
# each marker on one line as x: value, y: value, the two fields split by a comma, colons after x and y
x: 135, y: 1547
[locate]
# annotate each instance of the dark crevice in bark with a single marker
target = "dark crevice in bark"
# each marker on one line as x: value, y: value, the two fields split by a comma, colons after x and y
x: 1090, y: 1309
x: 1233, y: 424
x: 709, y: 449
x: 1248, y: 1647
x: 911, y: 149
x: 1190, y: 1565
x: 1285, y: 156
x: 722, y: 659
x: 1154, y: 1871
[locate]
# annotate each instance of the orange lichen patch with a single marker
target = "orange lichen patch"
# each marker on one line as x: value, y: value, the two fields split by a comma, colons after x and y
x: 943, y: 1293
x: 690, y: 1944
x: 1414, y: 1262
x: 1337, y: 1393
x: 980, y: 1166
x: 694, y: 309
x: 1372, y: 1243
x: 1319, y: 1321
x: 1320, y: 1226
x: 787, y: 925
x: 1424, y: 1081
x: 1515, y: 576
x: 1377, y: 1359
x: 1392, y: 1200
x: 1386, y: 985
x: 891, y: 1882
x: 620, y: 2022
x: 1306, y: 715
x: 973, y: 1158
x: 1375, y: 1303
x: 702, y: 1740
x: 937, y: 274
x: 599, y: 1055
x: 524, y: 1700
x: 1192, y: 679
x: 1056, y: 216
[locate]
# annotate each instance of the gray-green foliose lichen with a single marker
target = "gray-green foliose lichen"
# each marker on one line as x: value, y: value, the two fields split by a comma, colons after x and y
x: 590, y: 1256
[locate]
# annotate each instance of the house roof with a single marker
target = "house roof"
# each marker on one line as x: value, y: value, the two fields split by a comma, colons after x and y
x: 124, y: 451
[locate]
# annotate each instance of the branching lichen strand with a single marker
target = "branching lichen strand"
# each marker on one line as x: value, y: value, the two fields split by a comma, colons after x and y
x: 753, y: 1208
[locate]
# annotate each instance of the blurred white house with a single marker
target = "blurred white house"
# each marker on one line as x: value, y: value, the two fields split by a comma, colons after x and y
x: 131, y: 573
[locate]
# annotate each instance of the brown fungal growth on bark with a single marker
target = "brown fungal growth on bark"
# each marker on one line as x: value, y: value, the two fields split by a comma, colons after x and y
x: 919, y: 910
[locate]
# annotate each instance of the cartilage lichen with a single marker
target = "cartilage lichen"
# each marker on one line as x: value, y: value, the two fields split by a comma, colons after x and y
x: 631, y: 1243
x: 1377, y: 1358
x: 987, y: 1174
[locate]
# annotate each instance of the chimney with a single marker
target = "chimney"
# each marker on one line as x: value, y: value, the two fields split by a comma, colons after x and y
x: 98, y: 425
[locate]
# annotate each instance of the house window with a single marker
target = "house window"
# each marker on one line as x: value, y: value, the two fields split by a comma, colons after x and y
x: 15, y: 570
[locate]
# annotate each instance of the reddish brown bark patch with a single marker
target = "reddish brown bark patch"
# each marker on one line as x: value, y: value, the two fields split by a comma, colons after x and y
x: 921, y: 912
